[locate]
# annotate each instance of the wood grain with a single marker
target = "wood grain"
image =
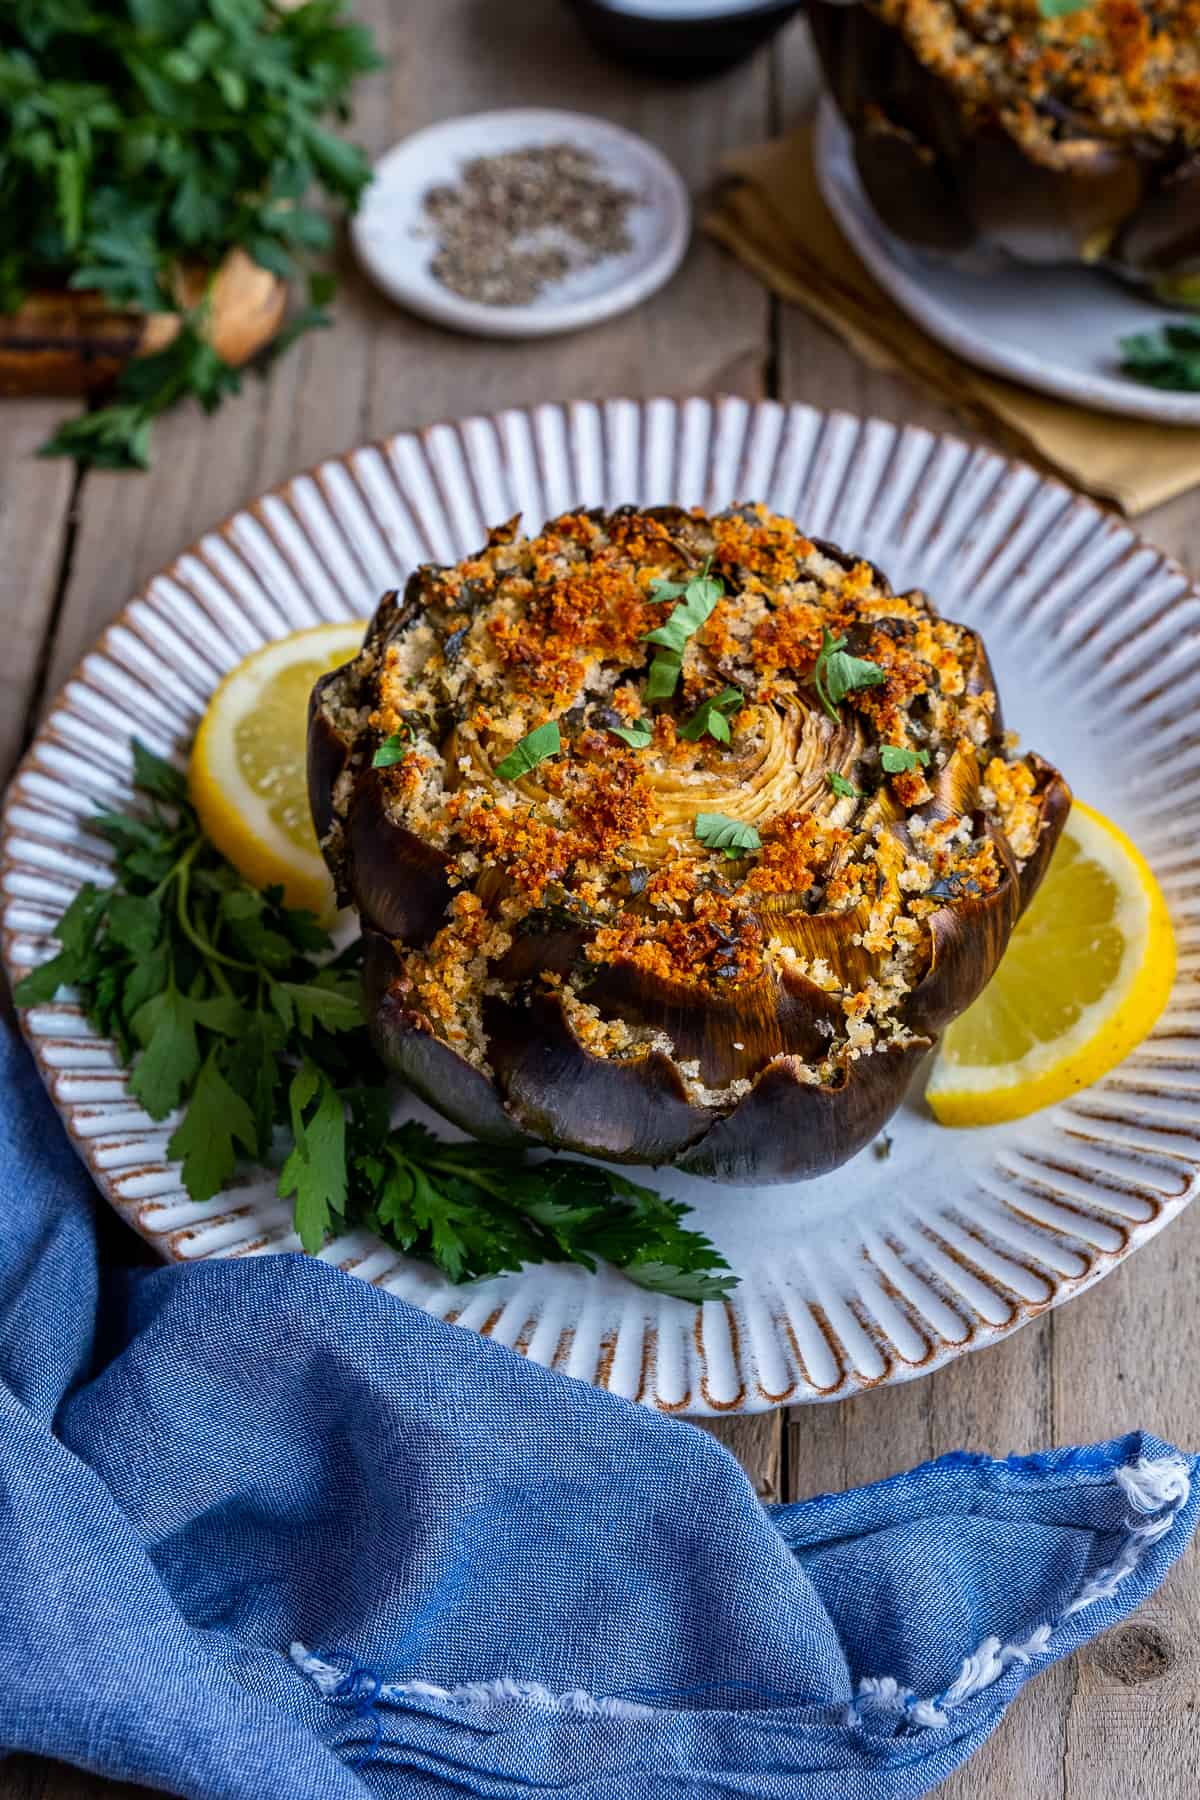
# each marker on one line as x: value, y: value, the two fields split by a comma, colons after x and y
x: 1119, y: 1721
x: 35, y: 497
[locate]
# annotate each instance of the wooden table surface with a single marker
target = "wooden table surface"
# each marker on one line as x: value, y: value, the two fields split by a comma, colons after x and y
x: 1119, y: 1721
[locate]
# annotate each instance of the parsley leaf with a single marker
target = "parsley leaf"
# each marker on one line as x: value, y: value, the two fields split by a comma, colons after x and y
x: 845, y: 790
x: 157, y: 777
x: 898, y: 761
x: 165, y: 1027
x: 663, y: 677
x: 77, y: 932
x: 532, y: 749
x: 392, y: 750
x: 837, y: 674
x: 661, y: 591
x: 1060, y: 9
x: 211, y: 990
x: 720, y: 832
x: 637, y: 735
x: 700, y: 596
x: 699, y: 599
x: 316, y: 1169
x: 217, y: 1123
x: 1168, y: 358
x: 710, y: 716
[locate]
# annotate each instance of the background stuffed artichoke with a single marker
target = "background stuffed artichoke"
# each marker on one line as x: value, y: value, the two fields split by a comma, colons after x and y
x: 1068, y: 138
x: 674, y: 839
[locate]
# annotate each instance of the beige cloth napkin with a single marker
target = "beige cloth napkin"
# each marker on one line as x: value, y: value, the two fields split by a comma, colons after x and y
x: 771, y: 215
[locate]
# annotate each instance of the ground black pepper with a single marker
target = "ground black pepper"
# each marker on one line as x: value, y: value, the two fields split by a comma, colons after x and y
x: 518, y: 221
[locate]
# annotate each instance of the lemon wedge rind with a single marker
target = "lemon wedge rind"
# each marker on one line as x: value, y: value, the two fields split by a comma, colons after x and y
x: 963, y: 1092
x: 261, y: 825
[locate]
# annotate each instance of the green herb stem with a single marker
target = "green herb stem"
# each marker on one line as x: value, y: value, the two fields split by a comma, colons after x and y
x: 273, y: 1039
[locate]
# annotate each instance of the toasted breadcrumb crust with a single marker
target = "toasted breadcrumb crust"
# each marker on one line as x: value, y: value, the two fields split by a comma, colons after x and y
x: 1121, y: 68
x: 601, y: 838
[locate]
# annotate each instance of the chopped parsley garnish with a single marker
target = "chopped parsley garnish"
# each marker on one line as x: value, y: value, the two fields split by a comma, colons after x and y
x: 1168, y: 358
x: 845, y: 790
x: 710, y: 716
x: 667, y: 590
x: 392, y: 750
x: 533, y: 749
x: 226, y: 1004
x: 637, y: 735
x: 837, y: 674
x: 663, y: 677
x: 1061, y: 9
x: 700, y: 595
x: 719, y: 832
x: 898, y: 761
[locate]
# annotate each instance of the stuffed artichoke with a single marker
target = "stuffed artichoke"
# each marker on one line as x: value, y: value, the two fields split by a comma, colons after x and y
x: 1069, y: 138
x: 674, y: 838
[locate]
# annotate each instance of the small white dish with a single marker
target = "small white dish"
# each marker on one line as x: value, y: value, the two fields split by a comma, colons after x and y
x: 1057, y: 330
x: 395, y: 243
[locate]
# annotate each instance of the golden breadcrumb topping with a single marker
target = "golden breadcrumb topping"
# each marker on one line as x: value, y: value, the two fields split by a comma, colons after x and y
x: 843, y: 737
x: 1118, y: 68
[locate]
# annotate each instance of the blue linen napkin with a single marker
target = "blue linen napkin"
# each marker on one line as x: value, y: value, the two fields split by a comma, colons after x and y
x: 265, y: 1530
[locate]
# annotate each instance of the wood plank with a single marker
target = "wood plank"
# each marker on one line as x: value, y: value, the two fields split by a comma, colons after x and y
x: 30, y: 1778
x: 35, y: 499
x: 757, y: 1443
x: 1125, y: 1357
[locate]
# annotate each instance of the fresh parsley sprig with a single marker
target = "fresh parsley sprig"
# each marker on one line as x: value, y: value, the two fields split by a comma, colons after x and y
x: 476, y: 1206
x: 143, y: 136
x: 230, y: 1008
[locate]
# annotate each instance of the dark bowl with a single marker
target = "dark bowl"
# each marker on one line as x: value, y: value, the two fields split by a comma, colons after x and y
x: 683, y: 38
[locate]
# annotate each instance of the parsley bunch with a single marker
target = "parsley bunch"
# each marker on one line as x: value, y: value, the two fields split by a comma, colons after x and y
x: 142, y: 135
x: 229, y: 1006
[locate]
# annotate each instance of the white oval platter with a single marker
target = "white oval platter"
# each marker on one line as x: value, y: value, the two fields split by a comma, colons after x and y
x: 1057, y: 329
x: 889, y: 1267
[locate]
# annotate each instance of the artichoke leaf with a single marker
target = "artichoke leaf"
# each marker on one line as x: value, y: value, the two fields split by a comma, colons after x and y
x: 812, y: 1126
x: 397, y: 880
x: 407, y: 1043
x: 633, y: 1110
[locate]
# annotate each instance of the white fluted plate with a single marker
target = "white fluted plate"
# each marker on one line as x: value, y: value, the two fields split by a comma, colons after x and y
x: 887, y: 1268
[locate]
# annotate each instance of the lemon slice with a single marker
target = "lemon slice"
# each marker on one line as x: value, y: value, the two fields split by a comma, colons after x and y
x: 247, y: 775
x: 1086, y: 974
